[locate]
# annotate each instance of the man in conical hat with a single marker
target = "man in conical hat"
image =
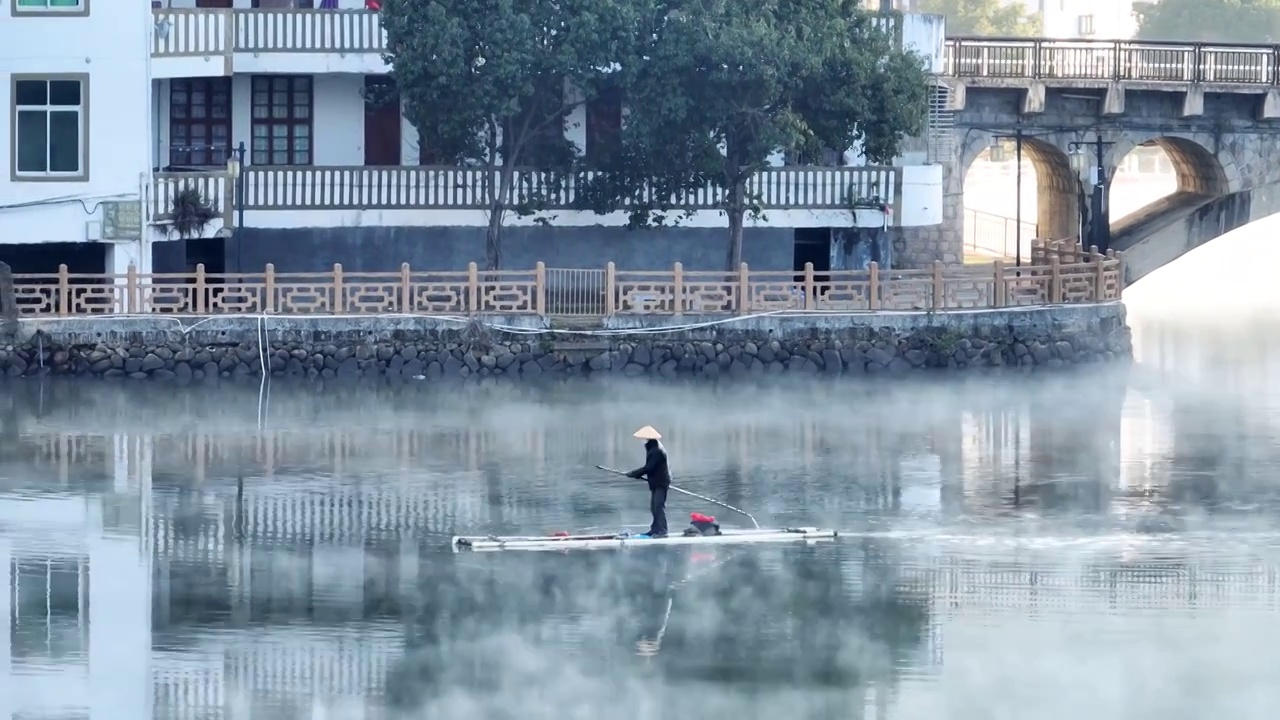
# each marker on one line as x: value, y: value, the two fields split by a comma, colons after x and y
x: 659, y: 476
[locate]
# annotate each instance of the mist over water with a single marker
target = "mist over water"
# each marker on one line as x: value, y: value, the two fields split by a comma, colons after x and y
x: 1097, y: 544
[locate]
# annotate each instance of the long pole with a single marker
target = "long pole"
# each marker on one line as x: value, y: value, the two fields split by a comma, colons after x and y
x: 1101, y: 210
x: 703, y: 498
x: 239, y: 232
x: 1017, y: 213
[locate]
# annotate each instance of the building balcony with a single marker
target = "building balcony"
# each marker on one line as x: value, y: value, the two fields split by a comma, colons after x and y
x: 218, y: 43
x: 319, y: 196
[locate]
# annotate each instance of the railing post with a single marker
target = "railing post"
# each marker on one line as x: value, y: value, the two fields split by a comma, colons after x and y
x: 1055, y: 279
x: 540, y: 289
x: 64, y: 290
x: 744, y: 289
x: 339, y: 304
x: 269, y: 289
x: 1119, y: 270
x: 201, y: 289
x: 999, y: 294
x: 610, y: 289
x: 406, y: 289
x: 810, y: 288
x: 473, y: 288
x: 229, y: 38
x: 131, y: 289
x: 1099, y: 273
x: 939, y: 299
x: 677, y: 289
x: 873, y: 286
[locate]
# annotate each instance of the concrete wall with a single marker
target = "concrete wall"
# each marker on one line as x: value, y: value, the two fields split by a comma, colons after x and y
x: 379, y: 249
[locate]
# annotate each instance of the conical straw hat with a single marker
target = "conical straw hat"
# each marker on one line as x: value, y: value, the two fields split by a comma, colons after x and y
x: 648, y: 433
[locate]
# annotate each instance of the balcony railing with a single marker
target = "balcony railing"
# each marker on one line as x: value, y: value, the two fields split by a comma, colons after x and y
x: 584, y: 292
x: 214, y: 31
x: 1112, y: 60
x: 215, y: 190
x: 205, y: 32
x: 191, y: 33
x: 339, y: 31
x: 461, y: 188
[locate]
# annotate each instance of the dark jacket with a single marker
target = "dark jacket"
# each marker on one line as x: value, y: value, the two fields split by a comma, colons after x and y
x: 655, y: 466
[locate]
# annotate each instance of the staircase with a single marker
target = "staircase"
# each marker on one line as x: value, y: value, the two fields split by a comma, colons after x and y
x: 940, y: 135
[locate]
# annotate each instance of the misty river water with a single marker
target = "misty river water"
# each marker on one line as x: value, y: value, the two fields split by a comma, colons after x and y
x: 1095, y: 544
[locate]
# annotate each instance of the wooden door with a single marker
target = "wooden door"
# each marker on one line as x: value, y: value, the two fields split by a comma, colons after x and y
x: 381, y: 121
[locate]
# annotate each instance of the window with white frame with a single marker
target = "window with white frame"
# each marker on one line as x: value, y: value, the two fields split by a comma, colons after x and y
x: 49, y: 610
x: 49, y: 127
x: 51, y: 6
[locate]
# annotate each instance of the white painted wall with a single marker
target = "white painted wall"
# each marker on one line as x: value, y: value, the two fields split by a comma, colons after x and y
x: 112, y: 46
x: 926, y: 34
x: 922, y: 195
x: 1112, y: 19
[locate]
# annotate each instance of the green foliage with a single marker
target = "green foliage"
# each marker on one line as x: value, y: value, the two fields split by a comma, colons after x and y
x: 484, y: 82
x: 987, y: 18
x: 1222, y: 21
x: 713, y: 87
x: 191, y: 212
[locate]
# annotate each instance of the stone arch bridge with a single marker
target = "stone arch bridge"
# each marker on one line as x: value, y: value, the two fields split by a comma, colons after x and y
x: 1215, y: 110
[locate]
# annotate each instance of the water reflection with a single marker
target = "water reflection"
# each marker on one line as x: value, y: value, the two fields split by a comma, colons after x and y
x: 299, y: 566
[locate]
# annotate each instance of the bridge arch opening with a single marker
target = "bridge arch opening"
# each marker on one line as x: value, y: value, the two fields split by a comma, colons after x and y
x: 1049, y: 199
x: 1160, y: 176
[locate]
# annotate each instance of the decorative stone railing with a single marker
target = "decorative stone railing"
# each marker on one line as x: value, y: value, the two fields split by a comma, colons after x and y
x: 1112, y: 60
x: 582, y: 292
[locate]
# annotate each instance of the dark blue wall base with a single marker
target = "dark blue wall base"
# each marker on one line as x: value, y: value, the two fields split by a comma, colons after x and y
x: 383, y: 249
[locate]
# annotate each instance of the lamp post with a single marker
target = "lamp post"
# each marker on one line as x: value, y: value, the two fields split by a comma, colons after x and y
x: 997, y: 155
x: 1093, y: 175
x: 235, y: 169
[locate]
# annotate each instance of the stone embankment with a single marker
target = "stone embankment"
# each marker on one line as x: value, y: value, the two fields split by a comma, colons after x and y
x: 431, y: 349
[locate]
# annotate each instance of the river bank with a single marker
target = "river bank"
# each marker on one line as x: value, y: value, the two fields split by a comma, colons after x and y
x: 189, y: 348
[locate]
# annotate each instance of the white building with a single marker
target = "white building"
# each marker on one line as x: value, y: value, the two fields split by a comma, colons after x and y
x: 153, y: 100
x: 1087, y: 19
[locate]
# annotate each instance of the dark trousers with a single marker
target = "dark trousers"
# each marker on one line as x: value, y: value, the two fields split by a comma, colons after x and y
x: 658, y: 506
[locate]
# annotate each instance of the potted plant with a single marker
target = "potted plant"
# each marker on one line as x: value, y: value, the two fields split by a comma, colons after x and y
x: 191, y: 212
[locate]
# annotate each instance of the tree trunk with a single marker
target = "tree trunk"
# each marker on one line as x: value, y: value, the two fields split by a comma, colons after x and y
x: 497, y: 212
x: 493, y: 238
x: 736, y: 210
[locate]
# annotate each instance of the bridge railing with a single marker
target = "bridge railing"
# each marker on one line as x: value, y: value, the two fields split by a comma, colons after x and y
x: 583, y: 292
x: 1111, y: 60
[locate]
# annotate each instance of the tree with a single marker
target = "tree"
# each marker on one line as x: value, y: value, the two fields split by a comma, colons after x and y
x: 1223, y: 21
x: 489, y: 84
x: 989, y: 18
x: 713, y: 87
